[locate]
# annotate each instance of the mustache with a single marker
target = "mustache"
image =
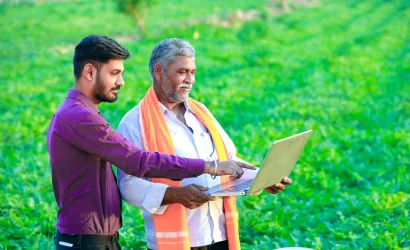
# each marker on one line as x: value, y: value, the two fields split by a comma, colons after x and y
x: 184, y: 85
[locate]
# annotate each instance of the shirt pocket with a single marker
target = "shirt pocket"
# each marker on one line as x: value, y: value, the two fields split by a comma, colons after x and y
x: 209, y: 146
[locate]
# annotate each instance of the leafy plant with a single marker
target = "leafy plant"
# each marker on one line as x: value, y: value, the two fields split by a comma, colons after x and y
x: 138, y: 9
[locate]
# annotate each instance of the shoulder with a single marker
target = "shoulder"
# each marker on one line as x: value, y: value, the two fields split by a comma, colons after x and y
x: 204, y: 108
x: 132, y: 116
x: 130, y: 123
x: 199, y: 105
x: 75, y: 112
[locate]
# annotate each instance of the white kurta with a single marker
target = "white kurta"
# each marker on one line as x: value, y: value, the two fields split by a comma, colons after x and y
x: 206, y: 224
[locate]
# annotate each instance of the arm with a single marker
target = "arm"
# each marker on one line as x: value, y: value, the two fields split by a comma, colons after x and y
x: 95, y: 136
x: 141, y: 193
x: 154, y: 197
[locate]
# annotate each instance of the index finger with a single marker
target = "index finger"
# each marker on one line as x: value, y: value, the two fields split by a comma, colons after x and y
x: 209, y: 197
x: 245, y: 165
x: 203, y: 197
x: 237, y: 170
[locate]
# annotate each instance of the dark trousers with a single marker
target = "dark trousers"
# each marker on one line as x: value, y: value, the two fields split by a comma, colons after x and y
x: 222, y: 245
x: 89, y: 242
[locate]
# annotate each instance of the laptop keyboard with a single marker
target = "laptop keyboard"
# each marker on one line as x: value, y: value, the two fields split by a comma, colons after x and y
x: 239, y: 186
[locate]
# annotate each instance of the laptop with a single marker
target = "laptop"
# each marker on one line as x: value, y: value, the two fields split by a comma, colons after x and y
x: 278, y: 164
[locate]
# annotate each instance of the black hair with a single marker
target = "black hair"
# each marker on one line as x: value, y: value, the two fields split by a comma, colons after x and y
x: 97, y: 50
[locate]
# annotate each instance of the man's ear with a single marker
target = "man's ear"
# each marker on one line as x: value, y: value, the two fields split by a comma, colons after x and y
x: 89, y: 71
x: 158, y: 72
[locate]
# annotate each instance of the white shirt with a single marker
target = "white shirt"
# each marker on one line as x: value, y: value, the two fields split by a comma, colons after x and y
x: 206, y: 224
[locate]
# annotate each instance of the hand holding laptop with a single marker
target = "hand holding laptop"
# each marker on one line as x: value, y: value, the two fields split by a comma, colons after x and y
x: 274, y: 189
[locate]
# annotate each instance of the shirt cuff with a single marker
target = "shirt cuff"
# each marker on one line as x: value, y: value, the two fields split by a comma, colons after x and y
x: 196, y: 167
x: 161, y: 209
x: 154, y: 198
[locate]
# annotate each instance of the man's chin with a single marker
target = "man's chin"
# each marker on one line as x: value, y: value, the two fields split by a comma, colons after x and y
x: 113, y: 99
x: 183, y: 98
x: 110, y: 99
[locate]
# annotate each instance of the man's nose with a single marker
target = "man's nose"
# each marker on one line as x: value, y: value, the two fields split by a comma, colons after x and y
x: 190, y: 78
x: 120, y: 81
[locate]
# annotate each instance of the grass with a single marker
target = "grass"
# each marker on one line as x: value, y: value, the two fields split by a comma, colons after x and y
x: 341, y: 68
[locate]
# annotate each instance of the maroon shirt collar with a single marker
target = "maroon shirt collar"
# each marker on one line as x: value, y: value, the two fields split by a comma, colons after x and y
x: 75, y: 94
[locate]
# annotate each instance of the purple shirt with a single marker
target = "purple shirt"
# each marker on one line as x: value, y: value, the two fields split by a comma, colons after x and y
x: 82, y: 147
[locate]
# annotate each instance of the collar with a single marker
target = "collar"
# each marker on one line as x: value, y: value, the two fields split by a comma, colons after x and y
x: 186, y: 104
x: 72, y: 93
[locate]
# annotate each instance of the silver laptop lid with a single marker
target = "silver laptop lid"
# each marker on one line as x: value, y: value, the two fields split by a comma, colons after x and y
x: 280, y: 161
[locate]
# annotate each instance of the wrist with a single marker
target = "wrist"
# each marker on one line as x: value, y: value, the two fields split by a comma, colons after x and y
x: 169, y: 196
x: 211, y: 167
x: 208, y: 167
x: 215, y: 169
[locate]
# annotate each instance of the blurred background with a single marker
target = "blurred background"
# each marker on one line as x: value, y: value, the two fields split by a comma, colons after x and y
x: 266, y: 69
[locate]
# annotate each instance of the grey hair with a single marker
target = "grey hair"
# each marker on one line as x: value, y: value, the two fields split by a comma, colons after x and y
x: 166, y: 51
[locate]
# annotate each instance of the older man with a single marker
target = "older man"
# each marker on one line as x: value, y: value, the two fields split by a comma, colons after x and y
x: 178, y: 214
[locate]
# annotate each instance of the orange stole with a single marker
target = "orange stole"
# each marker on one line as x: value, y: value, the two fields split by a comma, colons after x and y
x: 171, y: 227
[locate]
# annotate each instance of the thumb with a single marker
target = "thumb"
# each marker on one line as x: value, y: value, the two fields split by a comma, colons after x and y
x: 199, y: 187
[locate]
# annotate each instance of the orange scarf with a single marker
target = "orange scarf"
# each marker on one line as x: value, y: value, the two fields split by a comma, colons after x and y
x: 172, y: 227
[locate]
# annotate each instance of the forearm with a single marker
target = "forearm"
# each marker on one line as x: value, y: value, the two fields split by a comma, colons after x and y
x: 156, y: 165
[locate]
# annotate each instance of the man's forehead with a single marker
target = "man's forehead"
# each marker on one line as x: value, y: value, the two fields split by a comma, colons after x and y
x: 114, y: 64
x: 183, y: 62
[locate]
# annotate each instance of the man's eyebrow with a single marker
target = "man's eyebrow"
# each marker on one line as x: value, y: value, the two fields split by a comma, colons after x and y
x: 186, y: 69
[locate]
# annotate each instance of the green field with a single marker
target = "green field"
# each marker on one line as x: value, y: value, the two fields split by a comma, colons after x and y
x: 341, y: 68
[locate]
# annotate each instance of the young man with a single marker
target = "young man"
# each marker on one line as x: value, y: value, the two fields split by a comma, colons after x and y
x: 82, y: 147
x: 177, y: 214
